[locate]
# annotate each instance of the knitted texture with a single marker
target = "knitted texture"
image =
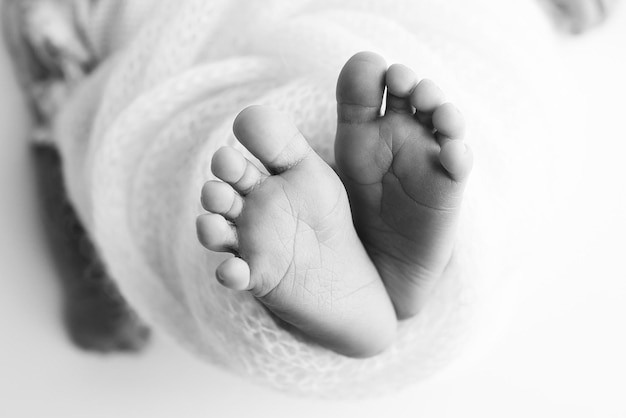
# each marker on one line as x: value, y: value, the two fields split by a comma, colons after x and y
x: 138, y: 134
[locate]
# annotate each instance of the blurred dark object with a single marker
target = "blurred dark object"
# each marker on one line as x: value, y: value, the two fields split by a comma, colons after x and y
x: 578, y: 16
x: 96, y: 315
x: 49, y: 57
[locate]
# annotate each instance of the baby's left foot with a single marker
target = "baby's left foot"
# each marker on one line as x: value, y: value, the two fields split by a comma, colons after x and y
x: 405, y: 182
x: 299, y: 253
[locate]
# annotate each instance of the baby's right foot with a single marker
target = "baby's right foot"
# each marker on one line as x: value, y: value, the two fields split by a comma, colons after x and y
x: 405, y: 182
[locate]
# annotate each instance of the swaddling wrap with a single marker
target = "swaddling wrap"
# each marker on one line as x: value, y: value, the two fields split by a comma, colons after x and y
x: 138, y: 134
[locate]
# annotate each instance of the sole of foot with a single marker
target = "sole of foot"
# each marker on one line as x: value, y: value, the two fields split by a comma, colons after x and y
x: 290, y: 228
x: 404, y: 171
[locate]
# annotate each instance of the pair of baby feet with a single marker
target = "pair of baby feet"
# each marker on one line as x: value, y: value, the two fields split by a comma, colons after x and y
x: 342, y: 258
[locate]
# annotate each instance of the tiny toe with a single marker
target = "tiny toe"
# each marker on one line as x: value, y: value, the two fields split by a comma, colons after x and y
x: 457, y: 158
x: 230, y: 166
x: 401, y: 81
x: 271, y: 137
x: 360, y: 88
x: 234, y: 273
x: 219, y: 197
x: 216, y: 233
x: 448, y: 121
x: 426, y: 96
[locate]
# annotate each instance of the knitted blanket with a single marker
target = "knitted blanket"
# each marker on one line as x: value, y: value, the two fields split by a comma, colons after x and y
x: 138, y: 134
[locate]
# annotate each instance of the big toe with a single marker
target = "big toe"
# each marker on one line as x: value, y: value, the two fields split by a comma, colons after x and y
x: 271, y: 137
x: 360, y: 88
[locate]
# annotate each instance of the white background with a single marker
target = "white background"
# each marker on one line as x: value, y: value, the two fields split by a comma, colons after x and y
x: 561, y: 353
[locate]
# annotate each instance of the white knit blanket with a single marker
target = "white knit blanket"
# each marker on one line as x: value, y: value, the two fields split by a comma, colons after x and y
x: 138, y: 135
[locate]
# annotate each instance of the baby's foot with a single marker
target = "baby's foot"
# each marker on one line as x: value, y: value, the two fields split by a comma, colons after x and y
x: 292, y: 231
x: 405, y: 182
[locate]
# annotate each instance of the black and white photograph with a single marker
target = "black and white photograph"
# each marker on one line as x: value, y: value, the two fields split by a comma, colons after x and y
x: 313, y: 208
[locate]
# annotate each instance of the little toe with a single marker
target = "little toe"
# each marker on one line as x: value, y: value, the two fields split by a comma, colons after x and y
x: 457, y: 158
x: 401, y: 81
x: 360, y: 88
x: 216, y: 233
x: 230, y: 166
x: 271, y: 137
x: 219, y: 197
x: 234, y: 273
